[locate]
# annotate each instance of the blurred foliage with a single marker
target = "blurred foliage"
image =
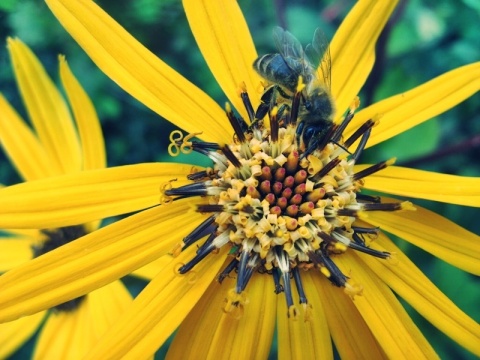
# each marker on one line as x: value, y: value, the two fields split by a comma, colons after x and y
x: 424, y: 39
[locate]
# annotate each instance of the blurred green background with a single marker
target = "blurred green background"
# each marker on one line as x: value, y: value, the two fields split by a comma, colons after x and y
x: 422, y: 40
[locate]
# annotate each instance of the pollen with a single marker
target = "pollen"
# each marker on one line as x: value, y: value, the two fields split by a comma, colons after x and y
x: 279, y: 207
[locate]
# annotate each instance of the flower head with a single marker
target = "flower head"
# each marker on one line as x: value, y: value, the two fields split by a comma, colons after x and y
x: 272, y: 206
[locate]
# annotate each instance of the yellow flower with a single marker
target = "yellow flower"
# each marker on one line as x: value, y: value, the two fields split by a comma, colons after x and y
x: 373, y: 325
x: 58, y: 145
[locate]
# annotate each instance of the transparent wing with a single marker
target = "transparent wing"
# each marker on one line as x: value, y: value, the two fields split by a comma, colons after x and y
x: 290, y: 49
x: 318, y: 53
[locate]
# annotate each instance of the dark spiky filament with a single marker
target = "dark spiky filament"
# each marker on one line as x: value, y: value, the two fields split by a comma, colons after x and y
x: 279, y: 206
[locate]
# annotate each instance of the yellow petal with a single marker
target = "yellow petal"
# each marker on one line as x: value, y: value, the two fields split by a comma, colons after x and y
x: 140, y: 72
x: 422, y: 184
x: 89, y: 130
x: 406, y: 110
x: 86, y: 196
x: 415, y: 288
x: 353, y: 49
x: 151, y: 270
x: 16, y: 333
x: 433, y: 233
x: 95, y: 259
x: 387, y: 319
x: 22, y: 146
x: 14, y: 251
x: 46, y: 107
x: 209, y: 332
x: 308, y: 335
x: 350, y: 333
x: 223, y: 37
x: 158, y: 310
x: 70, y: 335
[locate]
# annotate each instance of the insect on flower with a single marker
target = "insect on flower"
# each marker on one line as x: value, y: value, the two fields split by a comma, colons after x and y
x: 292, y: 73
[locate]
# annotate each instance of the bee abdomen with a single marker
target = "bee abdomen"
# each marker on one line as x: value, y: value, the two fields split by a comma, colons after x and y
x: 274, y: 68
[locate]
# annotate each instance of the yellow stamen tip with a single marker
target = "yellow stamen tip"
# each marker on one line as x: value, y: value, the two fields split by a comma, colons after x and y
x: 376, y: 119
x: 352, y: 289
x: 274, y: 111
x: 301, y: 84
x: 355, y: 104
x: 325, y: 271
x: 407, y: 205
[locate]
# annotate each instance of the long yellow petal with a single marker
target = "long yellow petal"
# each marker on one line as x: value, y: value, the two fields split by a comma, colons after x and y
x: 353, y: 48
x: 433, y: 233
x: 140, y: 72
x: 307, y: 336
x: 89, y: 130
x: 150, y: 270
x: 70, y: 335
x: 16, y: 333
x: 14, y: 251
x: 209, y: 332
x: 350, y: 333
x: 22, y: 146
x: 158, y: 310
x: 387, y: 319
x: 86, y: 196
x: 422, y: 184
x: 46, y: 107
x: 223, y: 37
x: 94, y: 260
x: 415, y: 288
x: 406, y: 110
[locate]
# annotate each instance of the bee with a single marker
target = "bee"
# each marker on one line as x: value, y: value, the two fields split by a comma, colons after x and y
x: 283, y: 69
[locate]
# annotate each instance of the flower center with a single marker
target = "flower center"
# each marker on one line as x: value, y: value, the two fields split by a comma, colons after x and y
x: 54, y: 239
x: 280, y: 205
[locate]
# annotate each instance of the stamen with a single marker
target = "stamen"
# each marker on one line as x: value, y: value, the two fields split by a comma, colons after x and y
x: 231, y: 156
x: 246, y: 102
x: 203, y: 251
x: 368, y: 198
x: 292, y: 119
x: 359, y: 132
x: 384, y: 206
x: 361, y: 145
x: 203, y: 208
x: 346, y: 120
x: 274, y: 124
x: 235, y: 122
x: 195, y: 189
x: 298, y: 284
x: 228, y: 269
x: 373, y: 169
x: 201, y: 175
x: 325, y: 170
x: 205, y: 228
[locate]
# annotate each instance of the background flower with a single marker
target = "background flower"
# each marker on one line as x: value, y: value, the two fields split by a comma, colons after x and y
x: 398, y: 80
x: 59, y: 143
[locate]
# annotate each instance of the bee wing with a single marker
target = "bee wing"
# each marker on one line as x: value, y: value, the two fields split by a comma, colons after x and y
x: 290, y: 49
x: 318, y: 53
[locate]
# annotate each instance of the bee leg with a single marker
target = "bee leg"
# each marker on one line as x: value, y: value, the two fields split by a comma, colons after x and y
x: 317, y: 137
x: 299, y: 132
x: 265, y: 105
